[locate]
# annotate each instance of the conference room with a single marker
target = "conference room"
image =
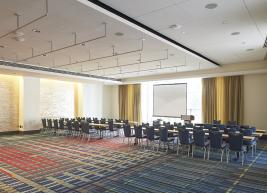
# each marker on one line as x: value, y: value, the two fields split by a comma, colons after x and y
x: 133, y: 96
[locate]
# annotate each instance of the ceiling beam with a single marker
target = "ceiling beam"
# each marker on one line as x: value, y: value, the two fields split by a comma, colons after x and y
x: 107, y: 10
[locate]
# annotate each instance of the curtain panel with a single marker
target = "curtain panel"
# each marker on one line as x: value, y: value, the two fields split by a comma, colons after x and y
x: 130, y: 102
x: 222, y: 99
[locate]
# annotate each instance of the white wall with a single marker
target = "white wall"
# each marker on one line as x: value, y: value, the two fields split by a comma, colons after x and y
x: 100, y: 100
x: 30, y: 103
x: 255, y: 100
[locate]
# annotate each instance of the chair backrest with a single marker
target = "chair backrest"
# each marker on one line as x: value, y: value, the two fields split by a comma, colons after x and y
x: 49, y: 122
x: 76, y: 125
x: 127, y: 130
x: 61, y: 124
x: 215, y: 139
x: 253, y: 129
x: 111, y: 125
x: 56, y: 124
x: 69, y: 125
x: 138, y: 131
x: 103, y: 121
x: 216, y: 122
x: 231, y: 123
x: 199, y: 138
x: 163, y: 134
x: 184, y: 136
x: 235, y: 141
x: 44, y: 123
x: 208, y: 126
x: 247, y: 132
x: 190, y: 125
x: 89, y: 120
x: 85, y: 126
x: 150, y: 132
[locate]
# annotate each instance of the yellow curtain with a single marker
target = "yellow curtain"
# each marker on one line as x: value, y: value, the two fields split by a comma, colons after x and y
x: 222, y: 99
x: 130, y: 102
x: 209, y: 99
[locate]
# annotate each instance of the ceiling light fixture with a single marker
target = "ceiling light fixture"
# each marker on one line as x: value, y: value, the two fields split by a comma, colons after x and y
x: 211, y: 6
x: 118, y: 34
x: 235, y: 33
x: 174, y: 26
x: 83, y: 44
x: 183, y: 32
x: 43, y: 54
x: 36, y: 30
x: 250, y: 49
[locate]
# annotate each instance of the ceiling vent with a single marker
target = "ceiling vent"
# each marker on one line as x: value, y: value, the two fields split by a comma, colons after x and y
x: 265, y: 43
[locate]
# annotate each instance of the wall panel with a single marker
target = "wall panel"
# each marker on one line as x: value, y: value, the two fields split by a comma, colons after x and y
x: 9, y: 103
x: 56, y: 98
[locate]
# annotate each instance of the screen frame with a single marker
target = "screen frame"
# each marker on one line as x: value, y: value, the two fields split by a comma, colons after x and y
x: 154, y: 100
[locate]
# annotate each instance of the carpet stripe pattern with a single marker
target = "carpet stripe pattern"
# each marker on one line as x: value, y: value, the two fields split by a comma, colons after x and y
x: 36, y: 163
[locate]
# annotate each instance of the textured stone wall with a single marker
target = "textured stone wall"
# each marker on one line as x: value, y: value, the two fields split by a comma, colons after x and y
x: 56, y: 98
x: 9, y: 103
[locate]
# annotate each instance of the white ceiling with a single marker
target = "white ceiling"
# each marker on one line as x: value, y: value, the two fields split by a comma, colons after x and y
x: 203, y: 30
x: 206, y: 31
x: 68, y: 16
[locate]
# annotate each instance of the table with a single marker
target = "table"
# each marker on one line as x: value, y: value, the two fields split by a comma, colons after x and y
x: 260, y: 131
x: 101, y: 128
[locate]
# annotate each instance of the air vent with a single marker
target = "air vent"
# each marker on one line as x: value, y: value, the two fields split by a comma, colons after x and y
x: 45, y: 69
x: 265, y: 43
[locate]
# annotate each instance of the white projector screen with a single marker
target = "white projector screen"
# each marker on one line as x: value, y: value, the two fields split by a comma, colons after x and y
x: 169, y: 100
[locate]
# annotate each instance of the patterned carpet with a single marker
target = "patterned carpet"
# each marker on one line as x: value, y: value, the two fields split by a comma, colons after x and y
x: 36, y: 163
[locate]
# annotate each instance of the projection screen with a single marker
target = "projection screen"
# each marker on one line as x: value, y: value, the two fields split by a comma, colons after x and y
x: 169, y: 100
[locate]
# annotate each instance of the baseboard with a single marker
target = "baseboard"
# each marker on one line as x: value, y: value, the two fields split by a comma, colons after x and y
x: 20, y: 132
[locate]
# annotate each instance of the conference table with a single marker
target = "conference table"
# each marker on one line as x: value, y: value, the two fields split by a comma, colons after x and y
x: 101, y: 128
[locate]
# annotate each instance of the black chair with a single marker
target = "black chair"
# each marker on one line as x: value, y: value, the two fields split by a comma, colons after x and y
x: 164, y: 138
x: 236, y: 145
x: 43, y: 130
x: 61, y: 126
x: 69, y: 128
x: 112, y: 129
x: 231, y: 123
x: 56, y: 126
x: 200, y: 141
x: 216, y: 122
x: 128, y: 133
x: 184, y: 140
x: 138, y: 131
x: 77, y: 130
x: 250, y: 144
x: 50, y: 125
x: 151, y: 137
x: 216, y: 142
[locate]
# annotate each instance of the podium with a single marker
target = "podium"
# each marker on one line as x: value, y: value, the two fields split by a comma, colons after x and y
x: 187, y: 118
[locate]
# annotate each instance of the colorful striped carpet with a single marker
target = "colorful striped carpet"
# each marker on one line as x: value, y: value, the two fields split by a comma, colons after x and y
x: 36, y: 163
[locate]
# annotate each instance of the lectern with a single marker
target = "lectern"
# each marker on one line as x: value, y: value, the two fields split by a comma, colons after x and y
x: 187, y: 118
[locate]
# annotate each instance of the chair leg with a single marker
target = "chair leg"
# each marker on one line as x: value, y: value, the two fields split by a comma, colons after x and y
x: 189, y: 151
x: 178, y: 147
x: 205, y: 152
x: 227, y: 156
x: 209, y: 153
x: 222, y: 154
x: 242, y: 158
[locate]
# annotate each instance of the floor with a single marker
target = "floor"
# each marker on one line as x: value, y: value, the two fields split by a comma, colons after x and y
x: 38, y: 163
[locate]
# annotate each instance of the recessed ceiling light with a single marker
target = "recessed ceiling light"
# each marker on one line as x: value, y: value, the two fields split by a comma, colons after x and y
x: 83, y: 44
x: 36, y: 30
x: 1, y: 46
x: 119, y: 34
x: 43, y: 54
x: 174, y: 26
x: 183, y: 32
x: 211, y: 6
x: 243, y: 43
x: 250, y: 49
x: 235, y: 33
x: 171, y: 54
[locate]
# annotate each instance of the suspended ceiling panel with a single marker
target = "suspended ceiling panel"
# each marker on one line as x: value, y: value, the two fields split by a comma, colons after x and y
x: 116, y: 51
x: 207, y: 31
